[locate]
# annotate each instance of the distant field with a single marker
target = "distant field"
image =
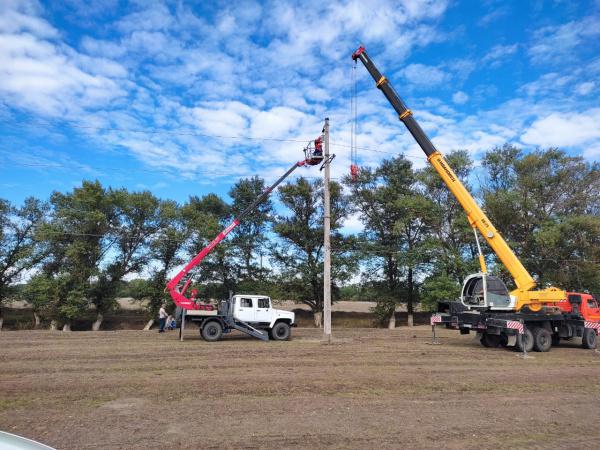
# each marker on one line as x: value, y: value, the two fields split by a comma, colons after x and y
x: 370, y: 389
x: 132, y: 305
x: 131, y: 316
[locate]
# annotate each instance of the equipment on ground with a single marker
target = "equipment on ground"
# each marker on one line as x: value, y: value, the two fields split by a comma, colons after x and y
x: 250, y: 314
x: 231, y: 315
x: 486, y: 304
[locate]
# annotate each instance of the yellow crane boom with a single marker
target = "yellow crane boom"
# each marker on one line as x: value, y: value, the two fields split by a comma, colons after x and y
x: 524, y: 294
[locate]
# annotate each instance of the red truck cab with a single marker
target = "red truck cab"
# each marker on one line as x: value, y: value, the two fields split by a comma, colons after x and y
x: 585, y: 304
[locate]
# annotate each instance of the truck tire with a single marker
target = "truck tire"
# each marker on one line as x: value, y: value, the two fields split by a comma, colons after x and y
x: 590, y: 339
x: 281, y: 331
x: 490, y: 340
x: 526, y: 339
x: 212, y: 331
x: 542, y: 340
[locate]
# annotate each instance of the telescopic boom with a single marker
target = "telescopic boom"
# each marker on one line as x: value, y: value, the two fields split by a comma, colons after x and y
x: 175, y: 287
x: 477, y: 218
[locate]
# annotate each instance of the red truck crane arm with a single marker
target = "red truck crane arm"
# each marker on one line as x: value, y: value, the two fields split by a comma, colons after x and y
x: 180, y: 283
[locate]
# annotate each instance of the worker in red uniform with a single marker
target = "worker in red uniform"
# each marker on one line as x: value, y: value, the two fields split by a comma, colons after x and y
x: 318, y: 147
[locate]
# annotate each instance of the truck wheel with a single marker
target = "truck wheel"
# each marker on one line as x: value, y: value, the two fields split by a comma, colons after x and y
x: 280, y: 332
x: 590, y: 339
x: 212, y: 331
x: 503, y: 340
x: 526, y: 340
x: 542, y: 340
x: 555, y: 339
x: 490, y: 340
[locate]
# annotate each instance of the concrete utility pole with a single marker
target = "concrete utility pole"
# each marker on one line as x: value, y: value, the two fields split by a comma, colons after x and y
x: 326, y: 240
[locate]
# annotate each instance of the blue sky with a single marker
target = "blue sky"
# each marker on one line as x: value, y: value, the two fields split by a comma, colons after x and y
x: 137, y: 94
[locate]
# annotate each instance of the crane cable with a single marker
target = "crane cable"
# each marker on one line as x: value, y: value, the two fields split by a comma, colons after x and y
x: 353, y: 126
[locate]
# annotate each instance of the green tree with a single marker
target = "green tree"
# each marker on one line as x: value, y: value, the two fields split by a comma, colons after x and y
x: 41, y: 293
x: 20, y: 249
x: 397, y: 219
x: 531, y: 197
x: 165, y: 254
x: 78, y: 240
x: 136, y: 219
x: 205, y: 217
x: 452, y: 250
x: 250, y: 237
x: 299, y: 252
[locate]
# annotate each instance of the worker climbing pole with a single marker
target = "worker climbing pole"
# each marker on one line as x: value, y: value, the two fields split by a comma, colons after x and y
x: 353, y: 126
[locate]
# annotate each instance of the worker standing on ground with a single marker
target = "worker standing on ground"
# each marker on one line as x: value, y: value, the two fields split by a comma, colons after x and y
x: 162, y: 318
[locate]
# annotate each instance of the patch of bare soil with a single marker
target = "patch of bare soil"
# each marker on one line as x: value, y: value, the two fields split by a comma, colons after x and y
x: 369, y: 389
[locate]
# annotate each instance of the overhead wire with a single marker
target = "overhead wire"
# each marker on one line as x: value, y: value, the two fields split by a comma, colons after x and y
x: 246, y: 246
x: 372, y: 249
x: 351, y: 145
x: 128, y: 170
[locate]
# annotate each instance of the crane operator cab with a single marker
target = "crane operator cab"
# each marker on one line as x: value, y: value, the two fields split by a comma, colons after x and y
x: 313, y: 152
x: 485, y: 291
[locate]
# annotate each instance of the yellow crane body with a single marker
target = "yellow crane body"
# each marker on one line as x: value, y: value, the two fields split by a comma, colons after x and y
x: 524, y: 296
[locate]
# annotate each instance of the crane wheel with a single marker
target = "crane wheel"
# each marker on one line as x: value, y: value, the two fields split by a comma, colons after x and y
x: 491, y: 340
x: 212, y: 331
x: 525, y: 340
x: 590, y: 339
x: 542, y: 339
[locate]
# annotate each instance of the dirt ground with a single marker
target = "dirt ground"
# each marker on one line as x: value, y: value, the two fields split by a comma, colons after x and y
x: 370, y: 389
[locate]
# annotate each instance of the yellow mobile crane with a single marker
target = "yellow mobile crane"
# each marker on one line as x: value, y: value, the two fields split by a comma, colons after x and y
x: 480, y: 290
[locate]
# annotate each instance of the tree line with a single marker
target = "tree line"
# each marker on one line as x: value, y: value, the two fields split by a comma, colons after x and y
x: 72, y: 252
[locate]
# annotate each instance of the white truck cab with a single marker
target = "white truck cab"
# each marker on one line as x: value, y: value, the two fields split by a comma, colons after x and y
x: 258, y: 311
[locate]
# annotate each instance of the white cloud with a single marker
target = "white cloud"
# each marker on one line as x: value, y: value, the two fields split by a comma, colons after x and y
x: 560, y: 43
x: 14, y: 21
x: 460, y: 98
x: 498, y: 53
x: 564, y: 129
x: 423, y: 75
x: 585, y: 88
x: 45, y: 78
x: 492, y: 16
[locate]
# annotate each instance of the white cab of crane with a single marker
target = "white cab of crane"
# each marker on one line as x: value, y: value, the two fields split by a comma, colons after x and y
x: 485, y: 291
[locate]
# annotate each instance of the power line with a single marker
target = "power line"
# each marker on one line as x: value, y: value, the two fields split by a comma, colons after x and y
x: 215, y: 136
x: 129, y: 170
x: 383, y: 251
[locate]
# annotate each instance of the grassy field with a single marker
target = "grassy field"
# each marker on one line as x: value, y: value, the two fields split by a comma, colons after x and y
x: 370, y: 389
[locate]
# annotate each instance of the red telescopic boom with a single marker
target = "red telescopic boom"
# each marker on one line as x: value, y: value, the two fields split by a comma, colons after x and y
x: 175, y: 287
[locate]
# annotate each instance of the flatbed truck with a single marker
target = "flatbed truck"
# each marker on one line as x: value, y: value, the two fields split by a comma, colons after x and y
x: 250, y: 314
x: 577, y: 317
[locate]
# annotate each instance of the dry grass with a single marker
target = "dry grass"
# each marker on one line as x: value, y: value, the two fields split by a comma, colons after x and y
x: 369, y: 389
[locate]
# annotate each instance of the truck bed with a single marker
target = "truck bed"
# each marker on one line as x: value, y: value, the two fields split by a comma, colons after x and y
x: 201, y: 313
